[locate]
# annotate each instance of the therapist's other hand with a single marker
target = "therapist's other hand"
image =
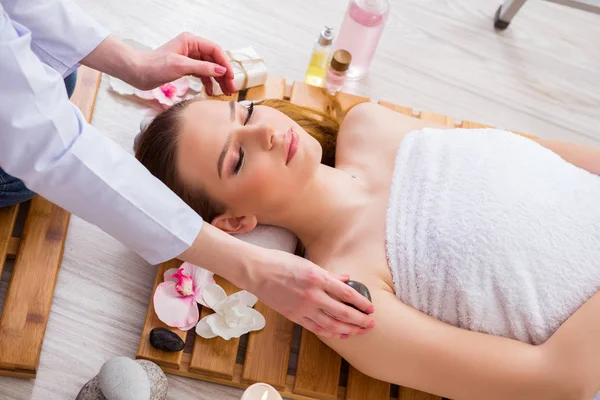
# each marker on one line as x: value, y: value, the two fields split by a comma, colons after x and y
x: 312, y: 297
x: 186, y: 54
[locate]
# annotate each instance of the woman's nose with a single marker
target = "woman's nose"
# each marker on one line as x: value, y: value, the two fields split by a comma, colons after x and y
x: 261, y: 134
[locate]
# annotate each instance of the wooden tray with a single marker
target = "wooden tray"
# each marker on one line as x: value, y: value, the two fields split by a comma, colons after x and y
x: 36, y: 255
x: 283, y: 355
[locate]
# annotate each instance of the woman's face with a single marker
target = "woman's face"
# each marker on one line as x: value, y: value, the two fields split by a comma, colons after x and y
x: 252, y: 160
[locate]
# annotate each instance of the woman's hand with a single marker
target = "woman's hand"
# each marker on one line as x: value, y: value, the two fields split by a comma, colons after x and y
x: 187, y: 54
x: 310, y: 296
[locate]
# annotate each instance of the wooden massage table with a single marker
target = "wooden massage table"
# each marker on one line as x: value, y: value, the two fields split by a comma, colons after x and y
x: 289, y: 358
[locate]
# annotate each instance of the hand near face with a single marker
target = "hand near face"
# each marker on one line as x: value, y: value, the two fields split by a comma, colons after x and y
x: 186, y: 54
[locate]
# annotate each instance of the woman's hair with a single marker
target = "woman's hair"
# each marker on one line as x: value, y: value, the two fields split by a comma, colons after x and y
x: 156, y: 148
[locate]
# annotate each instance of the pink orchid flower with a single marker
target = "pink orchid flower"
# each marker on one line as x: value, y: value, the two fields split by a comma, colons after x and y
x: 176, y: 299
x: 167, y: 94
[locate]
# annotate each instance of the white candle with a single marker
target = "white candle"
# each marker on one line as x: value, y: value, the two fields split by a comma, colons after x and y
x: 261, y: 391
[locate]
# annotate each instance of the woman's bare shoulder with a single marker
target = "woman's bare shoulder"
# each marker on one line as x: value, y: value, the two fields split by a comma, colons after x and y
x: 374, y: 114
x: 369, y: 127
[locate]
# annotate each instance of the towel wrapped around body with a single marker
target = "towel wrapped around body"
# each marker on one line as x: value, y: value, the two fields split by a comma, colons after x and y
x: 489, y: 231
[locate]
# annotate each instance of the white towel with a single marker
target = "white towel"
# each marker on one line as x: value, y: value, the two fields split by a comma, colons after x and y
x: 490, y: 231
x: 271, y: 237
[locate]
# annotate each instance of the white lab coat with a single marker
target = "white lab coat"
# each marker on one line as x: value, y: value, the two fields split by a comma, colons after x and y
x: 46, y: 142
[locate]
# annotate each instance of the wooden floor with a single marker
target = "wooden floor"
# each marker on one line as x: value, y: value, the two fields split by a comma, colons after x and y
x: 541, y: 76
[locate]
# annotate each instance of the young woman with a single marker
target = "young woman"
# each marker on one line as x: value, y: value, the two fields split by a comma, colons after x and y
x: 480, y: 248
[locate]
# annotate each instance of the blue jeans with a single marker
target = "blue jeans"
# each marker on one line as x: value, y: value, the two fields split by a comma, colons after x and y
x: 13, y: 190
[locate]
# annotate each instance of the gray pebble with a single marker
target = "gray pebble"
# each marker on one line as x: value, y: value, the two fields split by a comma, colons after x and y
x: 91, y: 391
x: 121, y: 378
x: 155, y: 376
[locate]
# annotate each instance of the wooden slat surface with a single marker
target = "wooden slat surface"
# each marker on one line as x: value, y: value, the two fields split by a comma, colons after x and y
x: 237, y: 382
x: 309, y: 96
x: 440, y: 119
x: 403, y: 110
x: 318, y: 370
x: 361, y: 387
x: 472, y: 125
x: 8, y: 216
x: 411, y: 394
x: 29, y: 296
x: 224, y: 97
x: 269, y: 349
x: 274, y: 88
x: 145, y: 349
x: 215, y: 356
x: 13, y: 247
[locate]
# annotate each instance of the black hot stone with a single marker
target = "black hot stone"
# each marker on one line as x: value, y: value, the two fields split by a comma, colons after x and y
x: 164, y: 339
x: 360, y: 288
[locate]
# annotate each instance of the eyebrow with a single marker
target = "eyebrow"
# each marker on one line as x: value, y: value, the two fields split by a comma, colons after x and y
x: 232, y: 108
x: 227, y: 142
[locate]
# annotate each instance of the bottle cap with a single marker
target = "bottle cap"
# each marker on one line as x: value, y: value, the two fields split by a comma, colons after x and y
x: 341, y: 60
x: 326, y: 36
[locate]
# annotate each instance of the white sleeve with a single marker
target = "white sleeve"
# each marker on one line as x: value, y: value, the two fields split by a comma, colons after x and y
x: 62, y: 33
x: 46, y: 142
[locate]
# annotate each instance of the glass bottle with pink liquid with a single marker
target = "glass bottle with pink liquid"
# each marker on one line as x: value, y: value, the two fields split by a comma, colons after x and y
x: 360, y: 33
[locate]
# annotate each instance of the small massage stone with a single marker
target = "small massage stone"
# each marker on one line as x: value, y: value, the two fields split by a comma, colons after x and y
x: 165, y: 339
x: 360, y: 288
x: 122, y: 378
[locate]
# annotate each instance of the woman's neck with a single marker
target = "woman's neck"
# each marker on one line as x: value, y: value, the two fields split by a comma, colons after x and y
x: 321, y: 207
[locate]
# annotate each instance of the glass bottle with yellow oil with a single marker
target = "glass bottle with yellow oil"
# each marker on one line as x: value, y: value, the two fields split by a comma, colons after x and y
x: 317, y: 68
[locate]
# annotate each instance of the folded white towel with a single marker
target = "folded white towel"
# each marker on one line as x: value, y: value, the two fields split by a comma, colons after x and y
x: 271, y: 237
x: 490, y: 231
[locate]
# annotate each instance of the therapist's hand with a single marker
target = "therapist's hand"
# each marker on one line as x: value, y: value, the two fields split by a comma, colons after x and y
x: 293, y: 286
x: 187, y: 54
x: 310, y: 296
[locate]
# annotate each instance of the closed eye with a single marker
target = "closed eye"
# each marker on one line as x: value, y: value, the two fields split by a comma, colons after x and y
x: 240, y: 162
x: 250, y: 112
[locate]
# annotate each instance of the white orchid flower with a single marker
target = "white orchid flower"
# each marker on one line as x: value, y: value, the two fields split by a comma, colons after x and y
x: 233, y: 317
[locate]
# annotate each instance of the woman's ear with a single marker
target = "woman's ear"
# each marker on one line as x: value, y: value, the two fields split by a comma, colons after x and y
x: 234, y: 225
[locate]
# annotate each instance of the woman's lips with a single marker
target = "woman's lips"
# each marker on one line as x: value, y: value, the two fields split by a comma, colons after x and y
x: 291, y: 145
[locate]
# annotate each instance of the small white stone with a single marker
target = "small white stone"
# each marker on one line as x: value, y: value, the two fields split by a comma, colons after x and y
x: 122, y: 378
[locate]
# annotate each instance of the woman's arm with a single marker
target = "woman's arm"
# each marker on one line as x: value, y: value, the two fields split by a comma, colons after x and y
x: 585, y: 157
x: 411, y: 349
